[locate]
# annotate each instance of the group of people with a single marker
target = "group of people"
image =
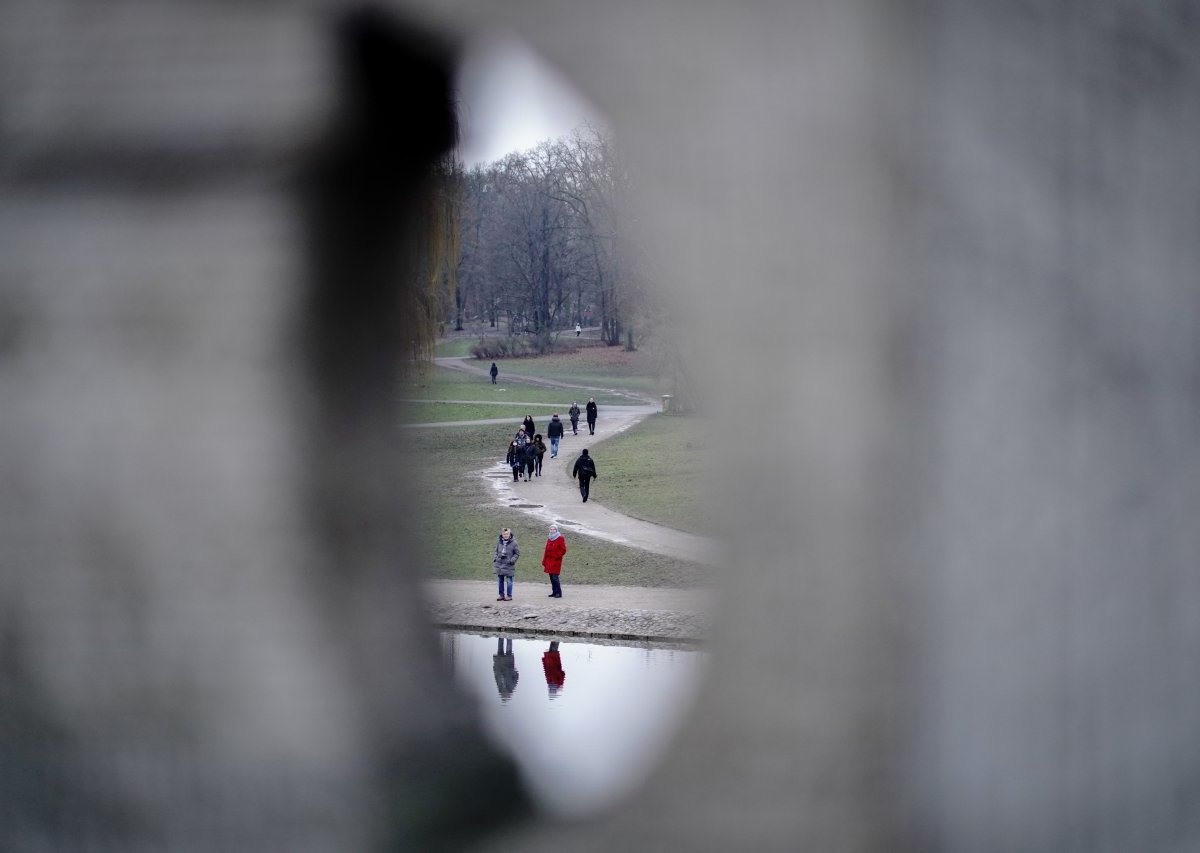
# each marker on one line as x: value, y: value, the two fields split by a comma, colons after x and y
x: 527, y: 448
x: 525, y: 452
x: 524, y: 456
x: 508, y: 552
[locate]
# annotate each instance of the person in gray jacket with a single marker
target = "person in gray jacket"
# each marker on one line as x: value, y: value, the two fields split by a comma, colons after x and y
x: 505, y: 562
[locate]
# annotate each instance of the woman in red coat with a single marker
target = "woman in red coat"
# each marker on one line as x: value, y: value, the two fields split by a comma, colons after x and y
x: 556, y: 549
x: 552, y: 665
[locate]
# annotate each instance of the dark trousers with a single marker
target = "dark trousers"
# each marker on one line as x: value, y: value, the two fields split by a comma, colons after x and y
x: 493, y: 380
x: 591, y: 426
x: 575, y: 425
x: 528, y: 468
x: 554, y: 586
x: 516, y: 472
x: 585, y: 484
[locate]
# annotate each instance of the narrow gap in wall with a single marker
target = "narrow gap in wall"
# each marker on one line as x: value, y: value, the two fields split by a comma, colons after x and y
x: 537, y: 269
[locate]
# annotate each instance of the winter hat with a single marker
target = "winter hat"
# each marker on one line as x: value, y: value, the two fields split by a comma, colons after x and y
x: 554, y: 534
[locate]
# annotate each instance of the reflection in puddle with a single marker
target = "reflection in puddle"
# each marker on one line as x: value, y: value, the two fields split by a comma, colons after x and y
x: 584, y: 722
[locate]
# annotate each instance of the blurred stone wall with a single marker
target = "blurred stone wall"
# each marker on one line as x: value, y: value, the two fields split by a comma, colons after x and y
x: 949, y: 254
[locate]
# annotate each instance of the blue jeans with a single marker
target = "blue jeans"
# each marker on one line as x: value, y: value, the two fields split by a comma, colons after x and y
x: 502, y: 579
x: 555, y: 588
x: 553, y: 447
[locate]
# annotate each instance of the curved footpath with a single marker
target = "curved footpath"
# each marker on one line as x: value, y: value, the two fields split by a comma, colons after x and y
x: 624, y: 613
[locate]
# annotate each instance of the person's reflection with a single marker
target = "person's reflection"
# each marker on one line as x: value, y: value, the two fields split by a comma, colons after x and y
x: 504, y: 667
x: 552, y: 664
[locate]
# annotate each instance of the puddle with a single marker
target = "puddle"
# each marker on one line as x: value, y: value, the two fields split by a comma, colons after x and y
x: 525, y: 506
x: 585, y: 722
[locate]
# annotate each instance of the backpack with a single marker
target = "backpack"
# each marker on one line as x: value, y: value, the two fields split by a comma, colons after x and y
x: 587, y: 466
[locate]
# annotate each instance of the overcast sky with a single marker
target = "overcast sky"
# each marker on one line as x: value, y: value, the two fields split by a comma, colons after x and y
x: 510, y: 100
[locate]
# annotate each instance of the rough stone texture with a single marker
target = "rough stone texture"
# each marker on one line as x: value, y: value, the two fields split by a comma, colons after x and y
x: 604, y: 612
x: 962, y: 606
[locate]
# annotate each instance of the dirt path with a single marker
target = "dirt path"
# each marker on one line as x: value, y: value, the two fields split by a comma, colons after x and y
x: 554, y: 497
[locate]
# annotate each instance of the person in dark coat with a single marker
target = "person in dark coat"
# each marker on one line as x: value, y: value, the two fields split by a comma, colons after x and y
x: 556, y: 549
x: 591, y: 415
x: 504, y: 668
x: 528, y: 460
x: 552, y: 666
x: 539, y: 450
x: 521, y: 438
x: 530, y: 429
x: 495, y: 371
x: 515, y: 459
x: 585, y: 472
x: 574, y: 413
x: 554, y: 432
x: 504, y: 562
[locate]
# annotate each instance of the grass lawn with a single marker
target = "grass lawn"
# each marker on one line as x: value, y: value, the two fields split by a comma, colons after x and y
x: 454, y: 347
x: 443, y: 383
x: 599, y: 367
x: 461, y: 521
x: 658, y: 471
x: 422, y: 413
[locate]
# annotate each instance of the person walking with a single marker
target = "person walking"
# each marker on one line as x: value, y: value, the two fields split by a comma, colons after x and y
x: 554, y: 432
x: 505, y: 562
x: 504, y: 668
x: 530, y: 429
x: 515, y: 459
x: 578, y: 329
x: 529, y: 459
x: 591, y: 415
x: 556, y: 549
x: 585, y: 472
x: 574, y: 413
x: 539, y: 449
x: 495, y: 371
x: 522, y: 437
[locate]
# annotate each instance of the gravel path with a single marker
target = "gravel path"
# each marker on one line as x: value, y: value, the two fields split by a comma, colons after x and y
x: 607, y: 612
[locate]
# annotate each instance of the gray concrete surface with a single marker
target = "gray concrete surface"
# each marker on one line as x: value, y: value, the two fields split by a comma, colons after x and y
x: 937, y: 268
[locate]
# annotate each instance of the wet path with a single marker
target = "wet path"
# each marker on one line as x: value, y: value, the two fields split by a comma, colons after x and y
x: 554, y: 497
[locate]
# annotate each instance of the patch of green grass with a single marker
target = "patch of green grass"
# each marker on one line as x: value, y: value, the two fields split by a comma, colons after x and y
x: 461, y: 521
x: 659, y: 471
x: 597, y: 367
x: 454, y: 347
x: 443, y: 383
x: 421, y: 413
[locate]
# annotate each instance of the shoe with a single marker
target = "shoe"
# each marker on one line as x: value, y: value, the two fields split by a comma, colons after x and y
x: 509, y: 598
x: 501, y: 598
x: 551, y: 595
